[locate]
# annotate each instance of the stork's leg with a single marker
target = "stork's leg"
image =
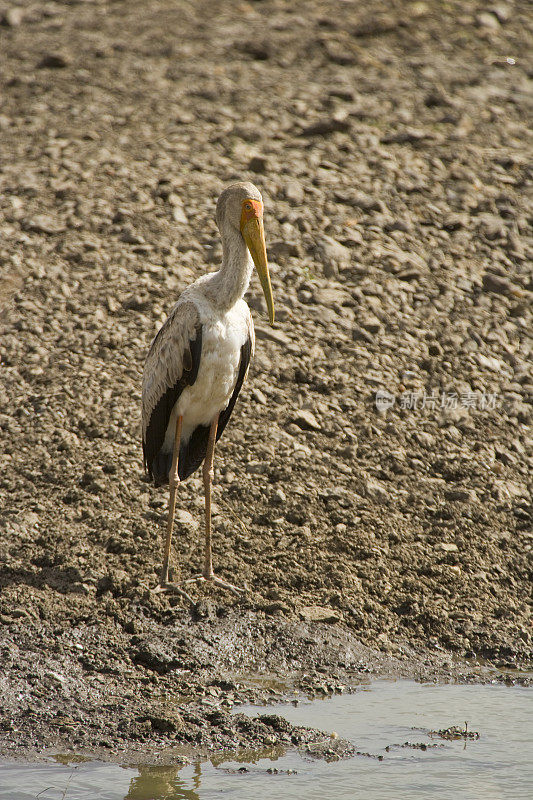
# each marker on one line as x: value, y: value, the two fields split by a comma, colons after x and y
x: 208, y: 574
x: 174, y: 481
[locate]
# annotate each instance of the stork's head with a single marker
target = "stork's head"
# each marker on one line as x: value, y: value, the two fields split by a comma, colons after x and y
x: 240, y: 206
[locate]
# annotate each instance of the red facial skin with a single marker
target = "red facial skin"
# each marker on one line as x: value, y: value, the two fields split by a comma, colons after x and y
x: 251, y: 209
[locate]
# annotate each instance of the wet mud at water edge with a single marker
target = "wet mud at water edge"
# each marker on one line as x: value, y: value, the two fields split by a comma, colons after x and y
x: 373, y: 487
x: 400, y: 734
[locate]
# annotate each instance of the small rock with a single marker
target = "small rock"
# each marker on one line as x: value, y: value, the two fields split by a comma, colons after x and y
x: 12, y: 17
x: 333, y: 255
x: 129, y: 236
x: 326, y: 126
x: 258, y: 164
x: 460, y: 495
x: 273, y: 334
x: 353, y: 238
x: 370, y: 323
x: 319, y: 614
x: 185, y: 518
x: 354, y: 197
x: 261, y: 51
x: 294, y: 192
x: 376, y: 491
x: 42, y: 223
x: 306, y: 420
x: 280, y: 249
x: 486, y: 19
x: 259, y: 397
x: 54, y: 61
x: 179, y: 215
x: 453, y: 222
x: 329, y: 296
x: 497, y: 284
x: 502, y: 12
x: 492, y: 227
x: 448, y: 547
x: 257, y: 467
x: 375, y: 25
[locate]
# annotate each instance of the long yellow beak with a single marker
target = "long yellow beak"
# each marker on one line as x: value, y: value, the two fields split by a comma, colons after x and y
x: 254, y: 235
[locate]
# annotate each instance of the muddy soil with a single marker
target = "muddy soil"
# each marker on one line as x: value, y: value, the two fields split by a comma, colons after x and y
x: 390, y: 141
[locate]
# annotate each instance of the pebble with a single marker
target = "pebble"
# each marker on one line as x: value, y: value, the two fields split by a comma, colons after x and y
x: 486, y: 19
x: 294, y: 192
x: 258, y: 164
x: 497, y: 284
x: 319, y: 614
x: 179, y: 215
x: 12, y: 17
x: 375, y: 490
x: 306, y: 420
x: 325, y: 127
x: 43, y: 223
x: 460, y: 495
x: 333, y: 255
x: 54, y: 61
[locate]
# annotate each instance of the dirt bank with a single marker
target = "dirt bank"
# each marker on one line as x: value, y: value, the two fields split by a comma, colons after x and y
x: 390, y: 144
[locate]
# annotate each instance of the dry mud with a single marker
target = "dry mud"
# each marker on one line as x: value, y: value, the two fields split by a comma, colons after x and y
x: 390, y: 141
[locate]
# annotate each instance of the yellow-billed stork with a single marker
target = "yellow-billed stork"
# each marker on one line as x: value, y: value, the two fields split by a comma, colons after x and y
x: 198, y: 361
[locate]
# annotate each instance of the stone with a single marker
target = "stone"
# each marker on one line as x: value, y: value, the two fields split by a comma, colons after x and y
x: 272, y: 334
x: 294, y: 192
x: 325, y: 127
x: 460, y: 495
x: 281, y: 250
x: 319, y: 614
x: 43, y: 223
x: 497, y: 284
x: 448, y: 547
x: 259, y: 397
x: 306, y: 420
x: 179, y: 215
x: 358, y: 199
x: 486, y: 19
x: 129, y: 236
x: 453, y: 221
x: 376, y: 491
x: 54, y: 61
x: 369, y: 322
x: 333, y: 255
x: 12, y: 17
x: 258, y: 164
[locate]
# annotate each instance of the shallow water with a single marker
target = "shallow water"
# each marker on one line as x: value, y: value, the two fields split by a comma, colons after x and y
x: 497, y: 766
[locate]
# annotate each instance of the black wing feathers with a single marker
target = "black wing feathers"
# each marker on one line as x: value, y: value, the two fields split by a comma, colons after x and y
x: 159, y: 419
x: 192, y: 455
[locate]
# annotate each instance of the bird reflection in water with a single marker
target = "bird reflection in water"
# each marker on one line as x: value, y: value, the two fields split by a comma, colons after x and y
x: 164, y: 783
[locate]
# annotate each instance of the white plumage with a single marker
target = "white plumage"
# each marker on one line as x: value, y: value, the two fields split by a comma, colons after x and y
x: 222, y: 340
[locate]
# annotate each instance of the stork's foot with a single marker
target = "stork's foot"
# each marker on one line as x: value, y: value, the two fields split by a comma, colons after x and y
x: 165, y: 585
x: 212, y: 578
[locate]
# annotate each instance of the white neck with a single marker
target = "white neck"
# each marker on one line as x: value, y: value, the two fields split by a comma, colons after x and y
x: 231, y: 281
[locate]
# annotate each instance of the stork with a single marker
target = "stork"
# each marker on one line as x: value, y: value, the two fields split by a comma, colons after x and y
x: 198, y: 361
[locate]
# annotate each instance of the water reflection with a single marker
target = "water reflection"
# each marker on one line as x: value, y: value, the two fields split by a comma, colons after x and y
x: 164, y: 783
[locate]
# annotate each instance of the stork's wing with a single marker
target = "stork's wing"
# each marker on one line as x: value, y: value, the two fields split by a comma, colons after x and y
x: 192, y: 455
x: 171, y: 365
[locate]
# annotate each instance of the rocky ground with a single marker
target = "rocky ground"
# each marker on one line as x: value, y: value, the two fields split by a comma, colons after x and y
x: 390, y: 141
